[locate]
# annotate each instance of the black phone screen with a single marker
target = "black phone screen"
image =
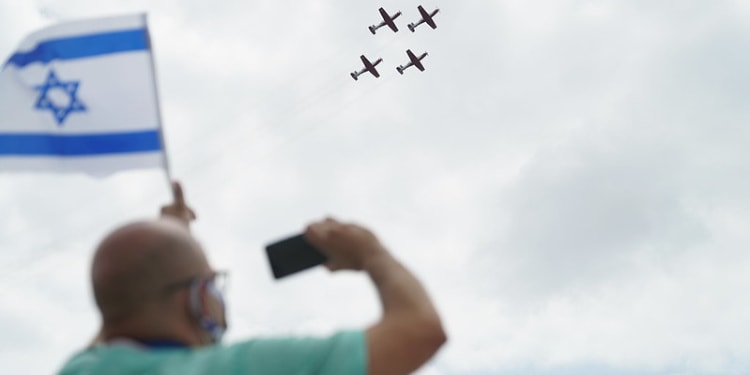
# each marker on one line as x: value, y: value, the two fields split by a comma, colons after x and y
x: 292, y: 255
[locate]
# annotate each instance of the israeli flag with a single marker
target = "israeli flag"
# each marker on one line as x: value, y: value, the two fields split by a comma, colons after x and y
x: 81, y: 97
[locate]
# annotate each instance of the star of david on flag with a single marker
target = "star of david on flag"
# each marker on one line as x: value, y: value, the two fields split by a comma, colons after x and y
x: 59, y: 111
x: 81, y: 97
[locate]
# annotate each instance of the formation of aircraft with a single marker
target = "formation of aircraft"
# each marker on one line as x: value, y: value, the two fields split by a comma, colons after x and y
x: 388, y: 20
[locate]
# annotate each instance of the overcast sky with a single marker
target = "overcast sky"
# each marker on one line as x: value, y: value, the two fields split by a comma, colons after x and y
x: 569, y: 178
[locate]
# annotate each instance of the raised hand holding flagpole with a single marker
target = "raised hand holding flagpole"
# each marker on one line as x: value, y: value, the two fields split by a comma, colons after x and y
x: 179, y: 210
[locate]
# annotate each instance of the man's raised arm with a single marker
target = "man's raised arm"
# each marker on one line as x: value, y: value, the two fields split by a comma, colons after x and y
x: 410, y: 331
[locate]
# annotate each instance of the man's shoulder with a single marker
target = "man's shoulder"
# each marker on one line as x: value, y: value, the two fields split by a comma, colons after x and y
x: 121, y: 358
x: 294, y: 354
x: 352, y: 337
x: 342, y: 352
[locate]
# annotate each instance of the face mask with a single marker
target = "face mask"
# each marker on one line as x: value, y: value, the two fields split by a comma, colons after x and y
x: 207, y: 322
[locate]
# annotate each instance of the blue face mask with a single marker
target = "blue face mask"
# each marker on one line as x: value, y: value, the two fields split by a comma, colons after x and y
x: 215, y: 329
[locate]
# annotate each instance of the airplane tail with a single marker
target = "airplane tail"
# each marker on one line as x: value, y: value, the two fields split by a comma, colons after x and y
x: 354, y: 75
x: 400, y: 69
x: 411, y: 27
x: 372, y: 29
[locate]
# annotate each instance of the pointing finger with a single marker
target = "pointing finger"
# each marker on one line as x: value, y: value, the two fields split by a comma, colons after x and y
x: 179, y: 197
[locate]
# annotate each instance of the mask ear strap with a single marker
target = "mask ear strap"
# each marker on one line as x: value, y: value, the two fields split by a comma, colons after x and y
x: 196, y: 307
x: 197, y: 289
x: 211, y: 289
x: 210, y: 324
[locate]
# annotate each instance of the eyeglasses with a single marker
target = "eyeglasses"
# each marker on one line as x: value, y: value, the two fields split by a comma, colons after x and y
x: 219, y: 279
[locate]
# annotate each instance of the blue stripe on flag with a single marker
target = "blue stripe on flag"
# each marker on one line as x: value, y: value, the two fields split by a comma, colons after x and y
x: 82, y: 46
x: 79, y: 145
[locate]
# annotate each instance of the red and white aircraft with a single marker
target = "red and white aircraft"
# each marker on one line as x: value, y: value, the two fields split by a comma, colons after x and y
x: 426, y: 18
x: 413, y: 60
x: 369, y: 67
x: 387, y: 20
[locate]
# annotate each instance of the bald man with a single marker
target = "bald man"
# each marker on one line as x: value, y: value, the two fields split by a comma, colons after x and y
x: 162, y: 309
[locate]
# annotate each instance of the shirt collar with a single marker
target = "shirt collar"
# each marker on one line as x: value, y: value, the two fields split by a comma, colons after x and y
x: 147, y: 344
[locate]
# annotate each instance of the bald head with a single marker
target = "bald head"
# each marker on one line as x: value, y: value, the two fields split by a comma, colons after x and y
x: 134, y: 264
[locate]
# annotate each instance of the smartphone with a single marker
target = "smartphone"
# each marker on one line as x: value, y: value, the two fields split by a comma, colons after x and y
x: 292, y: 255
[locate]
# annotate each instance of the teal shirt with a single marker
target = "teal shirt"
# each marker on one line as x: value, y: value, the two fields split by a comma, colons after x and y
x: 344, y: 353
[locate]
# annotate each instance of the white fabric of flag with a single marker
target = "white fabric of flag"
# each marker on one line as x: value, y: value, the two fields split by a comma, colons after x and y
x: 81, y: 97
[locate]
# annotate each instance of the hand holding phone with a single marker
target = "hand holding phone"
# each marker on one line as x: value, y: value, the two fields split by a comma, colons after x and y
x: 349, y: 246
x: 292, y: 255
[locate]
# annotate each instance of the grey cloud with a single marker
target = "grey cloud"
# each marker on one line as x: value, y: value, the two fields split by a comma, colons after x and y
x: 581, y: 213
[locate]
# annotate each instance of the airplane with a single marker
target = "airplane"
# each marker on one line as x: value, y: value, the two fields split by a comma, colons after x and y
x: 414, y: 60
x: 387, y: 20
x: 426, y: 18
x: 369, y: 67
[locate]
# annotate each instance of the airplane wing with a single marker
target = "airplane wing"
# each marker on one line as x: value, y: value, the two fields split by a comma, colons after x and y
x: 417, y: 61
x: 384, y: 14
x: 419, y: 65
x: 430, y: 22
x: 412, y: 57
x: 427, y: 17
x: 370, y: 66
x: 392, y: 26
x: 365, y: 61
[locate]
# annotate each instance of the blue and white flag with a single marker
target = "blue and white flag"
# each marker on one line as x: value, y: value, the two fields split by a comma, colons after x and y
x: 81, y: 97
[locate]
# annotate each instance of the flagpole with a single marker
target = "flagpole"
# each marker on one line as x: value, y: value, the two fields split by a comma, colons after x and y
x: 158, y: 103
